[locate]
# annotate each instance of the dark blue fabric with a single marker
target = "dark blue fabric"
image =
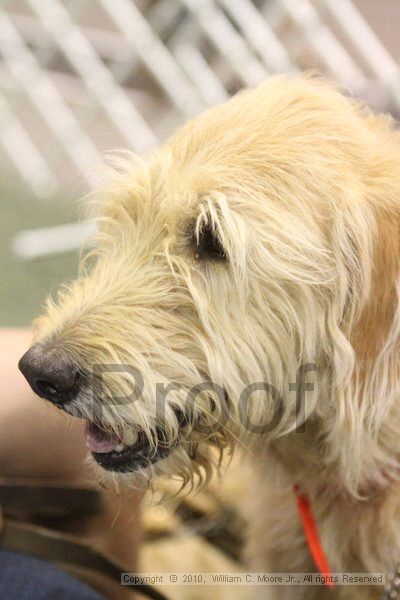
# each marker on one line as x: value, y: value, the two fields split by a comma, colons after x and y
x: 23, y: 577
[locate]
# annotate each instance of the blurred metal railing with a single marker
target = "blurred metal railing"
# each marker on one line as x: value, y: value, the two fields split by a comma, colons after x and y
x: 78, y: 78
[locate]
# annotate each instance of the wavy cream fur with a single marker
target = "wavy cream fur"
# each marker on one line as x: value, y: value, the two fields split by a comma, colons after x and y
x: 302, y: 187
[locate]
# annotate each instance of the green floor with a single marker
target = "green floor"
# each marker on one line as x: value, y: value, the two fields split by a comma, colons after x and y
x: 25, y: 283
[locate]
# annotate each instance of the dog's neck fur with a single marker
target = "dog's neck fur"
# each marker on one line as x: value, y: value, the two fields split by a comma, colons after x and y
x: 372, y: 505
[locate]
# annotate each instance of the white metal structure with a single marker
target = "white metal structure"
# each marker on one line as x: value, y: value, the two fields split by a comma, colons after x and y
x: 80, y: 77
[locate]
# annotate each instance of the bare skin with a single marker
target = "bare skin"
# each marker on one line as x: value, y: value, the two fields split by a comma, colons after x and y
x: 39, y: 441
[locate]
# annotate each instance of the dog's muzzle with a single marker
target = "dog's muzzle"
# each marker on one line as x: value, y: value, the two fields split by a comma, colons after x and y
x: 53, y: 375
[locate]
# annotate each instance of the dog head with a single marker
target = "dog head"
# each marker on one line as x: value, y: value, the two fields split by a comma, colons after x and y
x: 227, y: 268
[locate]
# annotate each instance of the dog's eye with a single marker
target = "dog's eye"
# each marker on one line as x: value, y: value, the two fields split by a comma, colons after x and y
x: 207, y: 245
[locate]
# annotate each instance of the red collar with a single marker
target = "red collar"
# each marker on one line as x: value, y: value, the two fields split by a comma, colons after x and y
x: 311, y: 533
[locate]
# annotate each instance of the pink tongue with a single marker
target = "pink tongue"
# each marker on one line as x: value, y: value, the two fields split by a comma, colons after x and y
x: 98, y: 440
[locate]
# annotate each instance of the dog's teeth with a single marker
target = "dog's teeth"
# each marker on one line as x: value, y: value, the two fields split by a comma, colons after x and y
x: 119, y: 448
x: 130, y: 437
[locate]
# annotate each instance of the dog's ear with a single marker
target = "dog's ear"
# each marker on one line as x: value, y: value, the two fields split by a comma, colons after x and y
x: 366, y: 429
x: 371, y: 334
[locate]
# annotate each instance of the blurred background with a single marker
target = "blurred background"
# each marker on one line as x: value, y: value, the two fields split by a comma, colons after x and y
x: 79, y: 78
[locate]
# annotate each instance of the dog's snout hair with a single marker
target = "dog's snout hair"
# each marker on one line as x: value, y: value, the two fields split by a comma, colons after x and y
x: 262, y: 237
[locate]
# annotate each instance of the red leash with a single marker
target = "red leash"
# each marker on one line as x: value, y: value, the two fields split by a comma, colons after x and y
x: 311, y: 533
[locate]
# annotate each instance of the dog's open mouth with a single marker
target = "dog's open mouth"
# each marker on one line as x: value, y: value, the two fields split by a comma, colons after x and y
x: 123, y: 455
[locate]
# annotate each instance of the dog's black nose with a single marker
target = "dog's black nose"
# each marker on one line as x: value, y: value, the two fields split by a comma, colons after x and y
x: 50, y: 373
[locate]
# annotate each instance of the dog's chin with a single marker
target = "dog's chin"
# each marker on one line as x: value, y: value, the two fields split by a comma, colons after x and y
x: 128, y: 452
x: 131, y: 458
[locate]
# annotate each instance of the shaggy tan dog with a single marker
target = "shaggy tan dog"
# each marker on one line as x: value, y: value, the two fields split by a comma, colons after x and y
x: 243, y: 291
